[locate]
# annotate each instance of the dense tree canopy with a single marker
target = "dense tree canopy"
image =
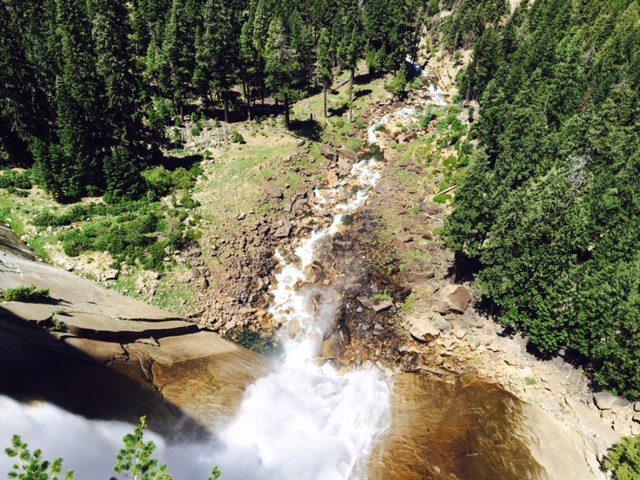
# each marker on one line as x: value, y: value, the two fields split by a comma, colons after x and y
x: 550, y: 206
x: 85, y: 84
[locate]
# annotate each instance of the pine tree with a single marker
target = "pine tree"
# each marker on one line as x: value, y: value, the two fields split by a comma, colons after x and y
x: 353, y: 52
x: 250, y: 64
x: 79, y: 109
x: 178, y: 57
x: 302, y: 43
x: 282, y: 68
x: 324, y: 72
x: 219, y: 49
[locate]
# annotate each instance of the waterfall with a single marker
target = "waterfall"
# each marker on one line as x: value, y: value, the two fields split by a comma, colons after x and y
x: 304, y: 420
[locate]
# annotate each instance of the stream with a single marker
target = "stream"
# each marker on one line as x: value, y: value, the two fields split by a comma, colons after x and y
x: 303, y: 421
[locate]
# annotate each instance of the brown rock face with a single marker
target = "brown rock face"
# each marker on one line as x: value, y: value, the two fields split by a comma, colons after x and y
x: 423, y: 329
x: 328, y: 151
x: 119, y: 358
x: 469, y: 430
x: 273, y: 190
x: 454, y: 298
x: 347, y: 154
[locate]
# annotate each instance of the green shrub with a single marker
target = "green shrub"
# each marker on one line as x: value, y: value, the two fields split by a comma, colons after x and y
x: 153, y: 257
x: 353, y: 144
x: 26, y: 294
x: 397, y: 85
x: 57, y: 325
x: 442, y: 198
x: 457, y: 58
x: 159, y: 180
x: 236, y: 137
x: 182, y: 179
x: 624, y: 459
x: 416, y: 84
x: 76, y: 213
x: 188, y: 202
x: 12, y: 179
x: 74, y: 242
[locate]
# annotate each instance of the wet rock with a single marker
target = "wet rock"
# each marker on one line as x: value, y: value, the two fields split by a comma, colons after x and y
x: 328, y: 151
x: 454, y: 298
x: 316, y: 272
x: 333, y: 346
x: 342, y: 243
x: 423, y: 330
x: 608, y: 401
x: 347, y: 154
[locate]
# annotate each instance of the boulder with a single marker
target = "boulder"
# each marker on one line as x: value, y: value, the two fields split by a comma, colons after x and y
x: 365, y: 302
x: 382, y: 305
x: 423, y: 330
x: 333, y: 346
x: 608, y: 401
x: 284, y: 231
x: 348, y: 155
x: 454, y: 298
x: 328, y: 151
x: 420, y: 276
x: 273, y: 191
x: 344, y: 168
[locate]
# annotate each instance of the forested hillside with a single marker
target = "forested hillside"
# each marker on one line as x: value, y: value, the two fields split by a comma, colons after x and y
x: 549, y: 210
x: 88, y: 87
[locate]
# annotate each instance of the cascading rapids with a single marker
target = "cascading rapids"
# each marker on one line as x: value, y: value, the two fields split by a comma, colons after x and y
x: 306, y: 421
x: 302, y: 421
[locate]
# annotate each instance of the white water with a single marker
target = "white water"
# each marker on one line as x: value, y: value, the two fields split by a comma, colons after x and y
x: 302, y: 421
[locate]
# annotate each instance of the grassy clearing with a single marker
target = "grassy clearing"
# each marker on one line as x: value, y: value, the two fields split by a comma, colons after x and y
x: 194, y: 201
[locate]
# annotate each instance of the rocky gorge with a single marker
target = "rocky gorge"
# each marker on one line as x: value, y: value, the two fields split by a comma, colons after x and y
x: 467, y: 400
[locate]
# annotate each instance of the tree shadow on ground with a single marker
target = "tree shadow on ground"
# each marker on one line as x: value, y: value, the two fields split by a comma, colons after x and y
x: 309, y: 129
x: 173, y: 162
x: 361, y: 93
x: 339, y: 111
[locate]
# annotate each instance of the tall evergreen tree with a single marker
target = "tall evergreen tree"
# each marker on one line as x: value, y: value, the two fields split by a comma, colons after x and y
x: 324, y: 72
x: 250, y: 65
x: 178, y: 52
x: 77, y: 163
x: 282, y: 67
x: 219, y: 49
x: 114, y: 63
